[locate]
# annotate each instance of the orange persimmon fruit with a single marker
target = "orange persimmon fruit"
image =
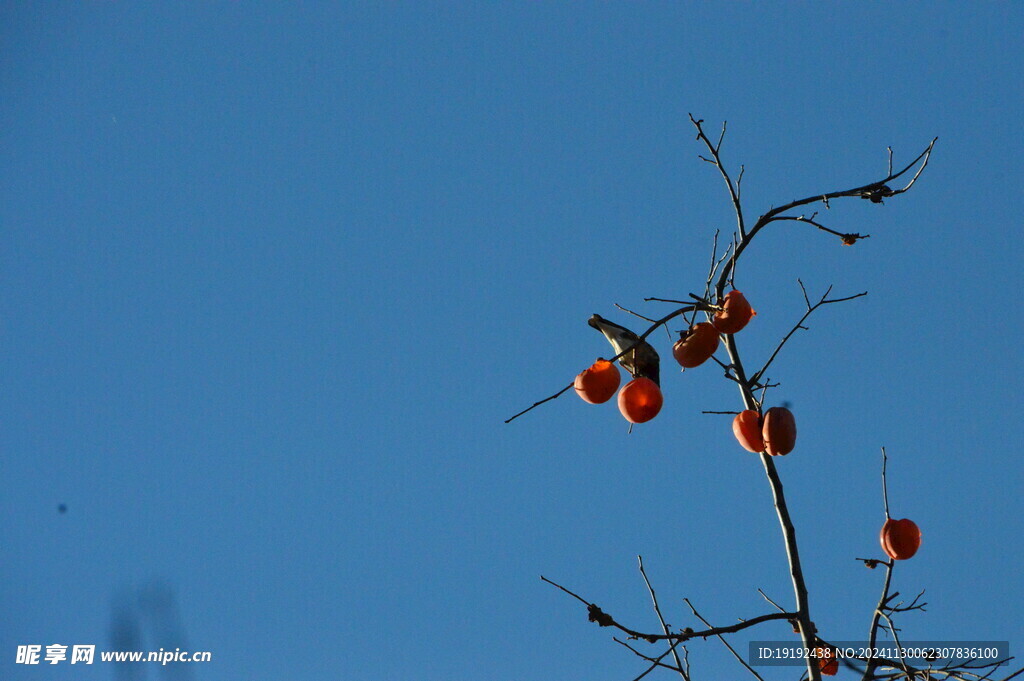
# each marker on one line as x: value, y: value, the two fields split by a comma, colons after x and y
x: 640, y: 400
x: 828, y: 663
x: 696, y: 346
x: 735, y: 313
x: 747, y: 429
x: 597, y: 384
x: 779, y: 431
x: 900, y: 538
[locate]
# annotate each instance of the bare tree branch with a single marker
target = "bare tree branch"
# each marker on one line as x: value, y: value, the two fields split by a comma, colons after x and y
x: 733, y: 192
x: 603, y: 619
x: 539, y: 402
x: 724, y: 642
x: 876, y: 616
x: 765, y: 596
x: 655, y: 661
x: 848, y: 239
x: 873, y: 190
x: 799, y: 325
x: 661, y: 619
x: 885, y: 486
x: 635, y: 314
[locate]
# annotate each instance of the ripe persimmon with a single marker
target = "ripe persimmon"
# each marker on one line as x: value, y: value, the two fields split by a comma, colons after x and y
x: 900, y: 538
x: 696, y: 346
x: 640, y: 400
x: 828, y: 663
x: 735, y: 313
x: 779, y: 431
x: 598, y: 383
x: 747, y: 429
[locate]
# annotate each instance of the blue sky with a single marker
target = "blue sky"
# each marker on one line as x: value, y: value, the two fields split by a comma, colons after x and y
x: 274, y: 275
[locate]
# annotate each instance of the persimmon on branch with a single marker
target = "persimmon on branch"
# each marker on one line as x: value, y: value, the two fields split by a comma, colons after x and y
x: 664, y: 320
x: 875, y: 191
x: 767, y: 432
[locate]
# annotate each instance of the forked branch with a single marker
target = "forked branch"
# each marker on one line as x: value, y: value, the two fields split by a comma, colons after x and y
x: 825, y: 300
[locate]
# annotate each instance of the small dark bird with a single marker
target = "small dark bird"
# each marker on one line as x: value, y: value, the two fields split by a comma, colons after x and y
x: 62, y: 508
x: 642, y: 360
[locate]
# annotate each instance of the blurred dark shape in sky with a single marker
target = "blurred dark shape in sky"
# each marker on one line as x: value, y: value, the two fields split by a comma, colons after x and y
x: 147, y: 619
x: 126, y: 634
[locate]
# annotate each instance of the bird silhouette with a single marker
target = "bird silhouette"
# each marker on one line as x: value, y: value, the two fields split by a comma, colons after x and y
x: 642, y: 360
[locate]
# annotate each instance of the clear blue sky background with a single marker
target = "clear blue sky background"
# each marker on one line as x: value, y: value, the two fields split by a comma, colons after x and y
x: 273, y: 275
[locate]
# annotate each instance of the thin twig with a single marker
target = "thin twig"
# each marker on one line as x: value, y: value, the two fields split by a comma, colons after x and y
x: 914, y: 605
x: 848, y: 239
x: 666, y: 300
x: 714, y: 149
x: 799, y: 325
x: 885, y: 485
x: 711, y: 273
x: 734, y: 261
x: 927, y: 155
x: 724, y: 642
x: 896, y: 639
x: 657, y: 610
x: 803, y: 289
x: 576, y: 596
x: 655, y: 661
x: 765, y: 596
x: 635, y: 314
x: 540, y: 402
